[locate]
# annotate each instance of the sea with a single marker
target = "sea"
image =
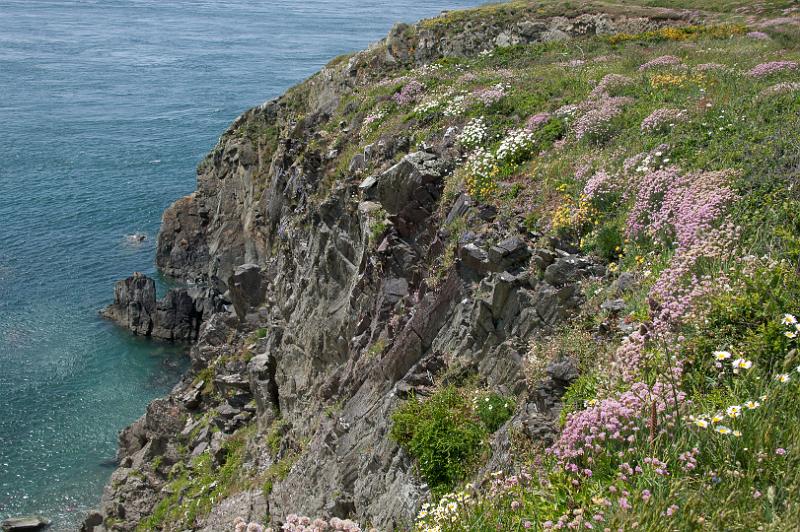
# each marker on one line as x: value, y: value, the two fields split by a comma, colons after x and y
x: 106, y: 107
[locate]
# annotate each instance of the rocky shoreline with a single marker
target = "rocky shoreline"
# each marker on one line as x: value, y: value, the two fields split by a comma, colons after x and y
x: 333, y: 280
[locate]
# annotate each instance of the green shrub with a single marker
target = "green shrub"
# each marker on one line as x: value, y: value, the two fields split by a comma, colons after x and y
x: 443, y: 434
x: 493, y: 410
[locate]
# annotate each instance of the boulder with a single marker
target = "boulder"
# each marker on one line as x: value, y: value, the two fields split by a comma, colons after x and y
x: 30, y: 522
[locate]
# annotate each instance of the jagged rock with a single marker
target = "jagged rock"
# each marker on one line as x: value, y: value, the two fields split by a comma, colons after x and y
x: 176, y: 317
x: 261, y: 369
x: 32, y: 522
x: 563, y: 371
x: 613, y: 305
x: 510, y: 254
x: 93, y: 522
x: 232, y: 383
x: 247, y: 289
x: 624, y: 283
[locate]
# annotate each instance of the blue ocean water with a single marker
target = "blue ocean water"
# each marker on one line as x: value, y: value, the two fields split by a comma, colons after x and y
x: 106, y: 106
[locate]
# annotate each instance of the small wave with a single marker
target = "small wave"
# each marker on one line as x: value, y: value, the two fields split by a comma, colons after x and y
x: 155, y: 161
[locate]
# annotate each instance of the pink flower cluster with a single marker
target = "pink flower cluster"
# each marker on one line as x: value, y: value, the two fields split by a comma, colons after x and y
x: 670, y: 203
x: 297, y: 523
x: 772, y: 67
x: 609, y: 83
x: 488, y: 96
x: 537, y: 121
x: 596, y: 121
x: 660, y: 118
x: 409, y: 93
x: 781, y: 88
x: 600, y: 183
x: 240, y: 525
x: 664, y: 60
x: 705, y: 67
x: 758, y: 35
x: 615, y: 419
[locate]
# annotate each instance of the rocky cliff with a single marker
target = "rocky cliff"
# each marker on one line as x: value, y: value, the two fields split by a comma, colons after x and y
x: 348, y: 264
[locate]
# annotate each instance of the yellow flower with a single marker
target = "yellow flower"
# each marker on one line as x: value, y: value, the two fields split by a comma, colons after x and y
x: 722, y: 355
x: 716, y: 418
x: 723, y: 430
x: 702, y: 423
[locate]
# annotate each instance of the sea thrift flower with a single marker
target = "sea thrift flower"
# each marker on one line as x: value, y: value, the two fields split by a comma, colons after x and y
x: 705, y: 67
x: 664, y: 60
x: 596, y: 121
x: 767, y: 69
x: 609, y: 83
x: 758, y: 35
x: 491, y: 95
x: 537, y: 121
x: 600, y: 183
x: 781, y: 88
x: 409, y: 93
x: 661, y: 118
x: 780, y: 451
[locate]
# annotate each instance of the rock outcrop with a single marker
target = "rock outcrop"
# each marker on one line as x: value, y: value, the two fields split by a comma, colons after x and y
x: 338, y: 287
x: 176, y: 317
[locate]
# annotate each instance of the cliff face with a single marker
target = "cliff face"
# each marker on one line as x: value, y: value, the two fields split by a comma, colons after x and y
x: 345, y: 273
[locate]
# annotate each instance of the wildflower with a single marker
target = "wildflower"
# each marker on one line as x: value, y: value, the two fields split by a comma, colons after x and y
x: 758, y: 35
x: 788, y: 319
x: 716, y: 418
x: 790, y: 334
x: 515, y: 505
x: 752, y: 405
x: 783, y: 378
x: 409, y: 93
x: 664, y: 60
x: 723, y: 430
x: 734, y: 411
x: 737, y: 433
x: 780, y: 451
x: 646, y: 495
x: 741, y: 363
x: 756, y: 494
x: 661, y: 118
x: 722, y: 355
x: 702, y: 423
x: 766, y: 69
x: 671, y: 510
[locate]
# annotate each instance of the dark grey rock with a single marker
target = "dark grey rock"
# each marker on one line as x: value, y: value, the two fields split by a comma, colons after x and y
x: 613, y: 305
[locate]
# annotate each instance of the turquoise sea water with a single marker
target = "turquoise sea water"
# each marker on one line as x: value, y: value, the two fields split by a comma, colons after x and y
x: 106, y: 106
